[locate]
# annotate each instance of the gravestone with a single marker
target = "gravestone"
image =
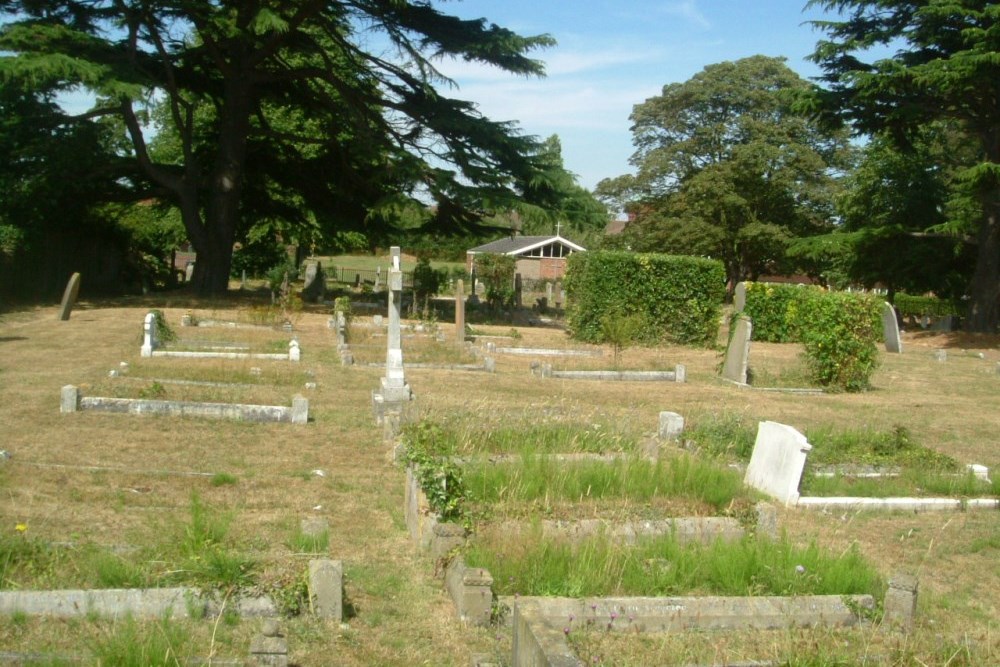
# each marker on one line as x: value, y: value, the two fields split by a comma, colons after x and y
x: 548, y: 292
x: 341, y: 326
x: 188, y: 271
x: 740, y: 297
x: 69, y: 297
x: 738, y: 352
x: 890, y: 329
x: 671, y: 426
x: 149, y: 342
x: 560, y: 295
x: 315, y: 283
x: 779, y: 456
x: 460, y: 312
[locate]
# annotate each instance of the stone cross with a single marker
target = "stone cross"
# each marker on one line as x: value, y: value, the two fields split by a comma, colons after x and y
x: 460, y: 312
x: 69, y: 296
x: 394, y: 387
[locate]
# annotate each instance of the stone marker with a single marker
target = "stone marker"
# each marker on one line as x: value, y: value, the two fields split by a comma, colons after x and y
x: 680, y: 373
x: 314, y: 286
x: 738, y: 352
x: 900, y: 603
x: 377, y: 320
x: 779, y: 456
x: 149, y: 342
x: 69, y: 296
x: 300, y: 409
x: 740, y: 297
x: 188, y: 271
x: 294, y: 352
x: 671, y: 426
x: 269, y: 648
x: 69, y: 399
x: 460, y: 312
x: 326, y: 582
x: 941, y: 355
x: 890, y: 329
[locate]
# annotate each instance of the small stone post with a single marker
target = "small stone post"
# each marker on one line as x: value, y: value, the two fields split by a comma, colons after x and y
x: 460, y: 312
x: 901, y: 601
x: 518, y: 290
x: 269, y: 648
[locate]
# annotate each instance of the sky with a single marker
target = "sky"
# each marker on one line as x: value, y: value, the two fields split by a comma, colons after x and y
x: 614, y: 54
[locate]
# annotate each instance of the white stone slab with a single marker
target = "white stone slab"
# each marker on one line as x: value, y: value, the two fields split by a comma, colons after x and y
x: 779, y: 456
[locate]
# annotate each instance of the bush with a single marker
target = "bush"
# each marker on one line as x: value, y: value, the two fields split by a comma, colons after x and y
x: 427, y: 280
x: 840, y: 330
x: 497, y: 273
x: 677, y: 298
x: 920, y: 306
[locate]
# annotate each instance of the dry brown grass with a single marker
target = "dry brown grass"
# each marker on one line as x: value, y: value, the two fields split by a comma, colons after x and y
x: 112, y: 479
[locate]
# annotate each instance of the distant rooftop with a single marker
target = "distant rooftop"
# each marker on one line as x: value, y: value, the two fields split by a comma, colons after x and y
x: 520, y: 244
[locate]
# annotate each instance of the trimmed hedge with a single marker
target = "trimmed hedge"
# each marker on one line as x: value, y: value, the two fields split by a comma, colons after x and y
x: 919, y: 306
x: 679, y: 299
x: 841, y: 331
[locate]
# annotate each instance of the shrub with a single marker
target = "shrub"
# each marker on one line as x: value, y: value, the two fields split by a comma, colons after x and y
x: 773, y: 309
x: 427, y: 280
x: 920, y: 306
x: 678, y: 298
x: 497, y: 273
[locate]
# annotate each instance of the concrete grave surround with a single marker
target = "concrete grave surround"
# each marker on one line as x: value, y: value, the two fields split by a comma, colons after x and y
x: 779, y: 456
x: 890, y: 329
x: 70, y: 294
x: 738, y: 352
x: 121, y: 602
x: 740, y: 297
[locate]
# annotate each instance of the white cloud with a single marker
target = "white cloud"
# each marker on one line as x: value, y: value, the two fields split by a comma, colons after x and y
x: 687, y: 10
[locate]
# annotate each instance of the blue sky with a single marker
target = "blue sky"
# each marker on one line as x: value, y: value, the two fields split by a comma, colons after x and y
x: 613, y: 54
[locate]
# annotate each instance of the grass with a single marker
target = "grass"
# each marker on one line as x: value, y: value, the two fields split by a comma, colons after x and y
x: 535, y: 565
x: 633, y: 480
x: 49, y: 483
x: 911, y: 482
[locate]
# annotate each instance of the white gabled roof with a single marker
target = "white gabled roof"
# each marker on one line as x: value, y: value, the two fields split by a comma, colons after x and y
x: 520, y: 245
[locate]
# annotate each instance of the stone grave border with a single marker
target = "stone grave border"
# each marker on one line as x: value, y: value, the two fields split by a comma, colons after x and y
x: 190, y: 320
x: 491, y: 348
x: 151, y: 348
x: 71, y: 400
x: 679, y: 374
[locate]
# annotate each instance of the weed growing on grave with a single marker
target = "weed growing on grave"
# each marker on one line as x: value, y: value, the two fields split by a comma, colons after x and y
x: 113, y: 571
x: 430, y: 453
x: 910, y: 482
x: 154, y: 390
x: 131, y: 644
x: 204, y: 555
x: 726, y: 435
x: 291, y: 595
x: 532, y: 564
x: 164, y: 332
x: 538, y: 478
x: 223, y: 479
x: 507, y: 434
x: 309, y: 543
x: 897, y: 447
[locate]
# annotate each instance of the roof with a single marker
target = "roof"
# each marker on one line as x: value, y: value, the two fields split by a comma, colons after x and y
x: 521, y: 244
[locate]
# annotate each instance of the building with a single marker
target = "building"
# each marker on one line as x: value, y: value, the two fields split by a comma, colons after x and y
x: 538, y: 257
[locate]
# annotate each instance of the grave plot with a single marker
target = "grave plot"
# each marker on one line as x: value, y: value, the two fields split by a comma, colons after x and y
x: 544, y: 527
x: 161, y: 340
x: 370, y: 350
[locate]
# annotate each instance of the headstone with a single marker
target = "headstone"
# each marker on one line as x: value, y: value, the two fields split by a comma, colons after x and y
x: 460, y: 312
x: 671, y: 426
x: 69, y: 399
x: 149, y: 341
x: 341, y: 328
x: 946, y: 323
x: 779, y: 456
x: 314, y: 287
x: 518, y: 290
x: 294, y: 353
x: 548, y: 292
x: 740, y: 297
x: 243, y: 280
x: 69, y: 296
x: 900, y: 604
x: 377, y: 287
x: 738, y: 352
x: 941, y: 355
x: 188, y: 271
x: 326, y: 581
x: 300, y: 409
x: 890, y: 329
x: 680, y: 373
x: 377, y: 320
x: 489, y: 364
x: 560, y: 295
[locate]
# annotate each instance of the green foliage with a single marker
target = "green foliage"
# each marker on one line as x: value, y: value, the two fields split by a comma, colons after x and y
x: 292, y: 596
x: 896, y: 447
x: 919, y: 306
x: 133, y: 644
x: 724, y: 435
x: 497, y: 273
x: 841, y: 331
x: 258, y: 256
x: 600, y: 566
x: 154, y: 391
x: 621, y: 331
x: 223, y: 479
x: 427, y: 281
x: 677, y: 298
x: 164, y: 332
x: 430, y: 453
x: 342, y: 304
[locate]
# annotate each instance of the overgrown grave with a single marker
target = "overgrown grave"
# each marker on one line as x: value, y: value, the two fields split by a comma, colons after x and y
x: 608, y: 526
x: 160, y: 340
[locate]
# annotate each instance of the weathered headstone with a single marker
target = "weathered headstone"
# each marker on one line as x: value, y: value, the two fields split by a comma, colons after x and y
x: 326, y: 582
x: 269, y: 648
x: 890, y: 329
x: 941, y: 355
x: 671, y: 425
x: 377, y: 287
x: 779, y: 456
x: 188, y: 271
x: 738, y: 352
x: 740, y: 297
x: 900, y: 604
x: 69, y: 296
x: 314, y: 287
x: 560, y: 295
x: 294, y: 352
x: 548, y: 292
x: 460, y: 312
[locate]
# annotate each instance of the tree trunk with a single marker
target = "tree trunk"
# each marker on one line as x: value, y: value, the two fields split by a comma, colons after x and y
x: 984, y: 308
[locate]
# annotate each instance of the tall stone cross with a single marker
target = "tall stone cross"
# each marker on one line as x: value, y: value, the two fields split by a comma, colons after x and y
x: 394, y: 387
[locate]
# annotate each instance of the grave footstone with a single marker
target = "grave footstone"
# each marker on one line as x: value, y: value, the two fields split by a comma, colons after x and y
x: 738, y: 352
x: 890, y: 329
x: 779, y: 456
x: 326, y: 588
x: 740, y: 297
x: 70, y: 294
x: 900, y: 604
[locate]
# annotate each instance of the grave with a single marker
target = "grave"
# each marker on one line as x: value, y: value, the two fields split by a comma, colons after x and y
x: 151, y: 348
x: 738, y: 352
x: 890, y: 329
x: 740, y: 297
x: 70, y: 294
x: 679, y: 374
x: 393, y: 392
x: 314, y: 287
x: 671, y: 426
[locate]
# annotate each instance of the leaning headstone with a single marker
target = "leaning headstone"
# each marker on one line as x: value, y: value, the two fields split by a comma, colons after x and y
x: 69, y: 296
x: 777, y: 462
x: 671, y: 426
x: 738, y: 352
x: 740, y: 297
x: 890, y: 329
x: 460, y: 312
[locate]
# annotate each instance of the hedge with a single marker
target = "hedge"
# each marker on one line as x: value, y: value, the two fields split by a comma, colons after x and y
x: 678, y: 299
x: 920, y: 306
x: 841, y: 331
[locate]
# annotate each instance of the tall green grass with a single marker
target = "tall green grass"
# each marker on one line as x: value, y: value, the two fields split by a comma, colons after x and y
x: 531, y: 564
x: 132, y: 644
x: 533, y: 478
x: 911, y: 482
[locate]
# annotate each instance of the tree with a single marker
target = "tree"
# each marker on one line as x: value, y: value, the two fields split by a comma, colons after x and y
x: 726, y: 168
x: 946, y: 66
x: 248, y: 61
